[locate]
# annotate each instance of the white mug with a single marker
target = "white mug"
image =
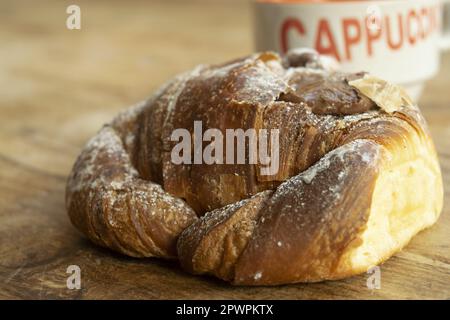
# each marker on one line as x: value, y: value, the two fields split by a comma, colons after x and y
x: 397, y: 40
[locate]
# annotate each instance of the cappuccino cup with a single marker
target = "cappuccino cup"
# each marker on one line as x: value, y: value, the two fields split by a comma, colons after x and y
x: 397, y: 40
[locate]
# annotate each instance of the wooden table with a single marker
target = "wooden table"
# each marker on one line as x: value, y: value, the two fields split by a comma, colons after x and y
x: 58, y: 86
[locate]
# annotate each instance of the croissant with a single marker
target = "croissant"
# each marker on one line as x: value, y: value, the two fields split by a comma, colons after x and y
x: 356, y: 173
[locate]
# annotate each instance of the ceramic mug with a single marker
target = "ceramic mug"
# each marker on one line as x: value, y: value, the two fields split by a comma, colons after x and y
x: 397, y: 40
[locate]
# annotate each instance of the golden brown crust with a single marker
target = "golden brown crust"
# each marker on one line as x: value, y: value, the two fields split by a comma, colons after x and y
x: 314, y: 219
x: 302, y: 228
x: 108, y: 201
x: 214, y: 243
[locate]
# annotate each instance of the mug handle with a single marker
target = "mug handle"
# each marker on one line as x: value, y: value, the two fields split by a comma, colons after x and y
x: 444, y: 42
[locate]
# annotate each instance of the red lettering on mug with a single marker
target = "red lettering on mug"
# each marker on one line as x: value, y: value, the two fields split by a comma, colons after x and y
x: 425, y: 16
x: 434, y: 21
x: 372, y: 35
x: 394, y: 31
x: 391, y: 44
x: 410, y: 18
x: 350, y: 40
x: 324, y: 33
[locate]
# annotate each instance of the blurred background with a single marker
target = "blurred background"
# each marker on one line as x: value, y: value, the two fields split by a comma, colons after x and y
x: 65, y: 84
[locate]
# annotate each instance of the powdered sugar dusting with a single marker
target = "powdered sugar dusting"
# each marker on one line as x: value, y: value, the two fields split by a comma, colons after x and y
x: 183, y: 78
x: 104, y: 177
x: 131, y: 206
x: 337, y: 155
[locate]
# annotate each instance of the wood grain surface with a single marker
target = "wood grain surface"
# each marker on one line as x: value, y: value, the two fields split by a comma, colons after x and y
x: 57, y: 87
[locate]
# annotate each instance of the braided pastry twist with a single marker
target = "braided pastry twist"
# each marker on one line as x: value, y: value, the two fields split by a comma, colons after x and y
x: 357, y: 178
